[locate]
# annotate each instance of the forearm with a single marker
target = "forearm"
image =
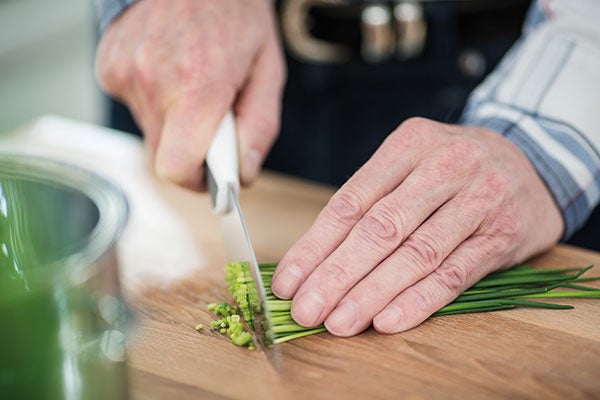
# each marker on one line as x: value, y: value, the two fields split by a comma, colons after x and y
x: 544, y: 98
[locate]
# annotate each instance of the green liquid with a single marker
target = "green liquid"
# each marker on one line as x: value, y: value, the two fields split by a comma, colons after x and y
x: 56, y: 339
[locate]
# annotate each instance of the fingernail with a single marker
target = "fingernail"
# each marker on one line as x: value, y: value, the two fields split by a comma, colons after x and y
x: 342, y: 319
x: 285, y: 283
x: 388, y: 321
x: 307, y: 309
x: 251, y: 165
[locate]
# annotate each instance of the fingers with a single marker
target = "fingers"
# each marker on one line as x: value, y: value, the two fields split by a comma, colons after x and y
x: 378, y: 234
x: 471, y: 261
x: 417, y: 257
x: 377, y: 178
x: 191, y: 121
x: 180, y: 66
x: 458, y: 202
x: 258, y: 111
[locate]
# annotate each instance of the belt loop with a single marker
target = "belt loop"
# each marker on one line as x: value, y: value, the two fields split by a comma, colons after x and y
x: 378, y: 37
x: 300, y: 42
x: 386, y: 27
x: 411, y: 29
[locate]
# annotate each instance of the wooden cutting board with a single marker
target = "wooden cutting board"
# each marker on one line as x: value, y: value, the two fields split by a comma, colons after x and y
x: 511, y: 354
x: 172, y: 256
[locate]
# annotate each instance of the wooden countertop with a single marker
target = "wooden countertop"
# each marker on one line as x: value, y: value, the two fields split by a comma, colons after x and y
x: 172, y: 256
x: 510, y: 354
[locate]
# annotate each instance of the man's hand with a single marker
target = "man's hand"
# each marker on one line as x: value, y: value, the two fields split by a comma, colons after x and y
x: 434, y: 210
x: 180, y: 65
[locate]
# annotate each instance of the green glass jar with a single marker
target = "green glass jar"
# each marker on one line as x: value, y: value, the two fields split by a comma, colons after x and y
x: 63, y: 323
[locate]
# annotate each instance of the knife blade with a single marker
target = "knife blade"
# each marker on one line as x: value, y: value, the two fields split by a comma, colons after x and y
x: 222, y: 174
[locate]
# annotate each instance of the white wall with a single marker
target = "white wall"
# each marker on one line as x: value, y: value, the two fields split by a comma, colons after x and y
x: 46, y: 61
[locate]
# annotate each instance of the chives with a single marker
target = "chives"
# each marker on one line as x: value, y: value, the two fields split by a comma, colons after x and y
x: 519, y: 286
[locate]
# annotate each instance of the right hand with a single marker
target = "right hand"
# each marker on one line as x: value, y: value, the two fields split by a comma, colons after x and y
x: 180, y: 65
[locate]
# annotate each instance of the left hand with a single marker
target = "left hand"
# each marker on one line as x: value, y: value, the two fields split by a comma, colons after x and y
x: 434, y: 210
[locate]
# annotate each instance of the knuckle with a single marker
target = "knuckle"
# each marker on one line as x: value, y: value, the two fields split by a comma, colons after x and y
x: 378, y: 293
x: 498, y: 183
x: 416, y: 125
x: 381, y: 225
x: 417, y: 269
x: 453, y: 277
x: 310, y: 250
x: 112, y: 76
x: 187, y: 71
x: 346, y: 207
x: 422, y: 301
x: 423, y: 251
x: 506, y: 225
x: 142, y: 67
x: 461, y: 153
x: 465, y: 149
x: 338, y: 277
x: 412, y: 132
x: 471, y: 147
x: 192, y: 68
x: 493, y: 247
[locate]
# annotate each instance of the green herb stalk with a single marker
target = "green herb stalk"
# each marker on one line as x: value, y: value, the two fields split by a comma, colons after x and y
x: 500, y: 290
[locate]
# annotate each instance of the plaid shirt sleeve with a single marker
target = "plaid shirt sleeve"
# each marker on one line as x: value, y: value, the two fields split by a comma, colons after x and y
x: 108, y: 10
x: 545, y: 97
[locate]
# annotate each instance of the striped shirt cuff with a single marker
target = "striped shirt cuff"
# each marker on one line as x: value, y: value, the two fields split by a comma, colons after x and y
x: 562, y: 156
x: 108, y: 10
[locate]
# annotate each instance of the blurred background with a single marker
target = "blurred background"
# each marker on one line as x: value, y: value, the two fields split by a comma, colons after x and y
x: 370, y: 64
x: 46, y: 61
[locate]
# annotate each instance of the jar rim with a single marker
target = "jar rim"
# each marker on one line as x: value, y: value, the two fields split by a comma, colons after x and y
x: 108, y: 198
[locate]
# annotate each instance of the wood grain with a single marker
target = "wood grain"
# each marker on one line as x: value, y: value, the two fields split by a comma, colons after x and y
x: 172, y: 256
x: 516, y: 354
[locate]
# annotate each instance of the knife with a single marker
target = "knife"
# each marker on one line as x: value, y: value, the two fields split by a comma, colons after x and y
x: 222, y: 175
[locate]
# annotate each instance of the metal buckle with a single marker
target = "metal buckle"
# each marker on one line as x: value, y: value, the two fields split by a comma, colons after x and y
x: 387, y: 29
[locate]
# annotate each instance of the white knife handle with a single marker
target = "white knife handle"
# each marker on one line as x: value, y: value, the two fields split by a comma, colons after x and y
x: 222, y: 163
